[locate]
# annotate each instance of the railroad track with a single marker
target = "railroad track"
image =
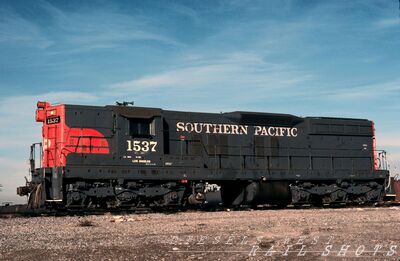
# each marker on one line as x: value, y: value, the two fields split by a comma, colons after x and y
x: 23, y: 210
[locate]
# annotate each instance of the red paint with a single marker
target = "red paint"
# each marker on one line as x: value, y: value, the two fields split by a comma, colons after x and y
x: 42, y: 105
x: 375, y: 153
x: 59, y: 139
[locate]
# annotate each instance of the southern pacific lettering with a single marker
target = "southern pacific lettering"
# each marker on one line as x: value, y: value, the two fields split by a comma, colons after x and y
x: 210, y: 128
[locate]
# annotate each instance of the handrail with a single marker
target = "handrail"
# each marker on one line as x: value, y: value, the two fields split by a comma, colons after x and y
x: 382, y: 160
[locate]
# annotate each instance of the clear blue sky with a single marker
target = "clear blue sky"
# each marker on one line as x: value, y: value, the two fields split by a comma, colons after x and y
x: 309, y: 58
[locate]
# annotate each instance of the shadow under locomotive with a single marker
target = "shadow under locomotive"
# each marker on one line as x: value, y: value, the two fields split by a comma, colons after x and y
x: 125, y: 157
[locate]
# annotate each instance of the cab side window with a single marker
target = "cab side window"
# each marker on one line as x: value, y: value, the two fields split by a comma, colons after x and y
x: 141, y: 127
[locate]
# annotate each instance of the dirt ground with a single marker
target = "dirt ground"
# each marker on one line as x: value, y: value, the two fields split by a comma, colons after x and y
x: 301, y: 234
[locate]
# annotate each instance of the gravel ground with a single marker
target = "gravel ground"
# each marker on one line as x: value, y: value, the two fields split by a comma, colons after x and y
x: 305, y: 234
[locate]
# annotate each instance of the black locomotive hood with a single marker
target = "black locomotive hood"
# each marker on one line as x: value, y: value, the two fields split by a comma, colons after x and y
x: 258, y: 118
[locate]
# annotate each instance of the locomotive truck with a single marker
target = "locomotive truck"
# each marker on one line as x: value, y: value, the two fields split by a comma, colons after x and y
x: 127, y: 157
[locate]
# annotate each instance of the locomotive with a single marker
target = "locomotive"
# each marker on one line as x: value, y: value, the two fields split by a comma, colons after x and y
x: 122, y: 156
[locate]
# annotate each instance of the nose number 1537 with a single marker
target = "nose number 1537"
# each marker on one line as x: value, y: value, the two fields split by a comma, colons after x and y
x: 141, y: 145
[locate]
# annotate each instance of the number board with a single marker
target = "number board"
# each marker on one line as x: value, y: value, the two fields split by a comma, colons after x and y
x: 53, y: 120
